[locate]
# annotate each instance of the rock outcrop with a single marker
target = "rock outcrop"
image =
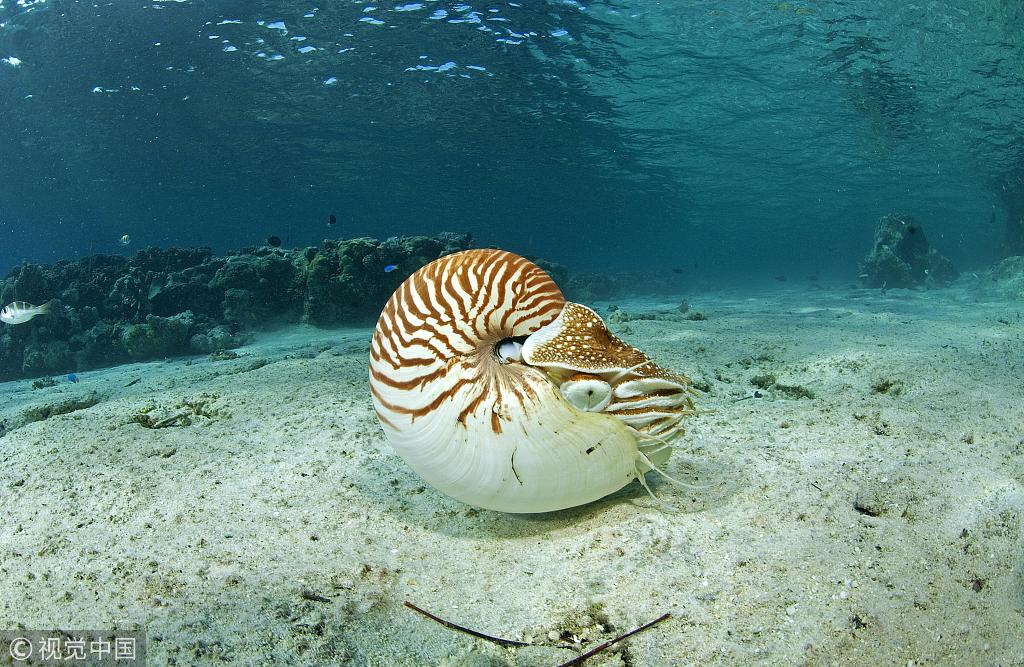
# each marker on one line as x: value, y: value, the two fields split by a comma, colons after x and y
x: 1005, y: 280
x: 902, y: 257
x: 166, y: 302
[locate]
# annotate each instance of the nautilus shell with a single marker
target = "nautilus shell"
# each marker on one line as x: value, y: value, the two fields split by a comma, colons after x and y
x: 501, y: 394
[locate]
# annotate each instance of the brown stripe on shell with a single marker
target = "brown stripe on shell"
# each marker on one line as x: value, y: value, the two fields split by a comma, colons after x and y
x: 513, y: 297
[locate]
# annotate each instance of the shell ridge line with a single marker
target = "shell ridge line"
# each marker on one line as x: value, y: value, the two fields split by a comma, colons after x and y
x: 405, y: 378
x: 448, y: 292
x: 524, y: 393
x: 512, y: 303
x: 495, y: 305
x: 383, y: 350
x: 508, y: 304
x: 410, y: 383
x: 426, y: 301
x: 417, y: 302
x: 479, y: 297
x: 531, y: 295
x: 494, y: 292
x: 512, y: 463
x: 473, y: 405
x: 406, y: 340
x: 385, y: 421
x: 383, y: 331
x: 412, y: 320
x: 403, y: 306
x: 537, y: 278
x: 469, y: 297
x: 541, y: 314
x: 474, y: 282
x: 430, y: 407
x: 480, y: 265
x: 420, y: 339
x: 519, y: 305
x: 387, y: 345
x: 440, y: 321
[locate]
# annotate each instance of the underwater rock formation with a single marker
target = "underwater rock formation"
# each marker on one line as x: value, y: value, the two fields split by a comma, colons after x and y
x: 338, y: 280
x: 1005, y: 280
x: 166, y: 302
x: 589, y: 287
x: 901, y: 257
x: 1009, y: 187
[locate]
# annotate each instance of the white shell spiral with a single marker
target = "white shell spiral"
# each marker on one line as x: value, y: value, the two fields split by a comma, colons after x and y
x: 501, y: 394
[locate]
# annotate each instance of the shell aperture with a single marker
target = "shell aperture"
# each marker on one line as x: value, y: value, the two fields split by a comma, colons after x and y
x: 509, y: 350
x: 550, y: 423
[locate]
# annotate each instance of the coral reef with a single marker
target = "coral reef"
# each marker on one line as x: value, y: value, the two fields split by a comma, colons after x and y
x: 901, y: 257
x: 173, y: 301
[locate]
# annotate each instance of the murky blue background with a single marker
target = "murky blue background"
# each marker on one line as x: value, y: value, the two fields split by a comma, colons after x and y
x: 729, y: 139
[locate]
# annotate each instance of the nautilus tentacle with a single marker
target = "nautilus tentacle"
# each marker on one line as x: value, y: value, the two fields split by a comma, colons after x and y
x: 501, y: 394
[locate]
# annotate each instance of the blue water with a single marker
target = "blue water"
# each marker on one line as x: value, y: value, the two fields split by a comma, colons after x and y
x: 733, y: 140
x: 179, y: 457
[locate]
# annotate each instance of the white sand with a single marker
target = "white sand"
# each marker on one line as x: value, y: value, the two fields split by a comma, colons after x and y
x: 208, y: 534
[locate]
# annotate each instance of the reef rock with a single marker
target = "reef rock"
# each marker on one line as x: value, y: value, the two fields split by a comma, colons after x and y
x: 901, y: 257
x: 158, y: 336
x: 217, y: 338
x: 40, y: 358
x: 174, y: 301
x: 589, y: 287
x: 257, y: 289
x: 1005, y: 280
x: 339, y: 279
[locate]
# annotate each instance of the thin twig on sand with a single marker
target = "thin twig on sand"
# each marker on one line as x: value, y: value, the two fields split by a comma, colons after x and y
x: 578, y: 660
x: 454, y: 626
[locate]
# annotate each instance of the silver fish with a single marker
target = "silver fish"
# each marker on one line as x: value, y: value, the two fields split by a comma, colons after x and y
x: 20, y: 312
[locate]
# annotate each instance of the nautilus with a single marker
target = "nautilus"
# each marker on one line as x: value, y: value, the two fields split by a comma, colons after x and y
x: 502, y: 394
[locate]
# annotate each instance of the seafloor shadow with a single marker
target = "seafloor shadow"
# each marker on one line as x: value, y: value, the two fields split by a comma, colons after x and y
x: 714, y: 479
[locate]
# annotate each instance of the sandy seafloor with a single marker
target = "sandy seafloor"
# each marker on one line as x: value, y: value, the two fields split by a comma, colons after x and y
x: 858, y: 527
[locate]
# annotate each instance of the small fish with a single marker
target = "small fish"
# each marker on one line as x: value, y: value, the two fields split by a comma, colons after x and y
x: 677, y: 271
x: 390, y: 267
x: 125, y: 240
x: 332, y: 220
x: 73, y: 378
x: 20, y: 312
x: 274, y: 241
